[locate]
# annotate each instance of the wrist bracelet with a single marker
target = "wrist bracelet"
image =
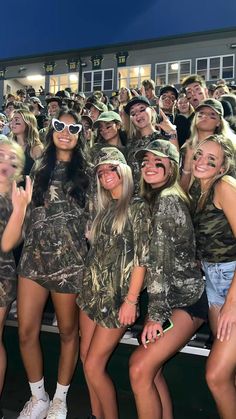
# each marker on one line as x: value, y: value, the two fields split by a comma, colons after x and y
x: 131, y: 303
x: 186, y: 172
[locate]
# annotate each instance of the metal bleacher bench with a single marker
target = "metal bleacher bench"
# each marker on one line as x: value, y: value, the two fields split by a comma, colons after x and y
x: 198, y: 345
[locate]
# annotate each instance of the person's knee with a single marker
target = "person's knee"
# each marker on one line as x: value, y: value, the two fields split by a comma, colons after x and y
x: 136, y: 373
x: 69, y: 334
x: 216, y: 377
x: 91, y: 368
x: 27, y: 335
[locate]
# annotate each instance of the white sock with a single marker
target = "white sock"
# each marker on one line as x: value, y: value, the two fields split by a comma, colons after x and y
x: 38, y: 390
x: 61, y: 392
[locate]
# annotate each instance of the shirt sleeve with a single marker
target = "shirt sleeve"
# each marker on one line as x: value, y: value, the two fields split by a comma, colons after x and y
x: 141, y: 222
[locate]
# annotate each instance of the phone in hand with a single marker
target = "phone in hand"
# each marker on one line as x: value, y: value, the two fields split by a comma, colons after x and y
x: 167, y: 325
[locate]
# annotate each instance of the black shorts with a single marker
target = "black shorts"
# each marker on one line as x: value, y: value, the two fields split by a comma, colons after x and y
x: 198, y: 309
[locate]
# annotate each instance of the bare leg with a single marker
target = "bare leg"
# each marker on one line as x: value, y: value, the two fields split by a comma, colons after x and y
x: 102, y: 345
x: 67, y: 317
x: 220, y: 372
x: 3, y: 359
x: 30, y: 303
x: 146, y: 364
x: 87, y: 327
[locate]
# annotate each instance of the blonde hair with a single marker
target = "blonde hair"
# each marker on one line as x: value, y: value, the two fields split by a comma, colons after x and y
x: 223, y: 129
x: 131, y: 130
x: 31, y: 132
x: 19, y: 153
x: 104, y: 200
x: 229, y: 162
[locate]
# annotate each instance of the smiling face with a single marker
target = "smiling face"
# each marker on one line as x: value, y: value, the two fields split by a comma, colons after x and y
x: 155, y: 170
x: 9, y: 163
x: 167, y: 101
x: 109, y: 131
x: 208, y: 161
x: 110, y: 179
x: 141, y: 116
x: 64, y: 141
x: 183, y: 105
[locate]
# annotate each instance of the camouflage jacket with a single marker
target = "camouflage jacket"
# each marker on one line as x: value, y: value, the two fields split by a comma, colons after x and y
x: 173, y: 278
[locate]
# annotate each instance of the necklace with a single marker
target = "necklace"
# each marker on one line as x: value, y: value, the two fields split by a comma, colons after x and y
x: 203, y: 193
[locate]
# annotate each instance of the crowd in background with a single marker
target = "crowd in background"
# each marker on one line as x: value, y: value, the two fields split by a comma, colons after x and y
x: 121, y: 187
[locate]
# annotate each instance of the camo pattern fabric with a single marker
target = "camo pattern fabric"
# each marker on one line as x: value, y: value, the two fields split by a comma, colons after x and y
x: 133, y: 146
x: 173, y: 278
x: 55, y: 245
x: 8, y: 276
x: 110, y: 261
x: 215, y: 240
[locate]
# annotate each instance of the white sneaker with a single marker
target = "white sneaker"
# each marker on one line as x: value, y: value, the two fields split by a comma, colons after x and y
x: 57, y: 410
x: 35, y: 409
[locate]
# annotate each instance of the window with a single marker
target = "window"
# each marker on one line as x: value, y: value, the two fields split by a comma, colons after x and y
x: 215, y: 68
x: 61, y: 81
x: 97, y: 80
x: 172, y: 72
x: 132, y: 77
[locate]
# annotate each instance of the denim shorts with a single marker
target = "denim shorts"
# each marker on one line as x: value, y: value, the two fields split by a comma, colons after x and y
x: 218, y: 280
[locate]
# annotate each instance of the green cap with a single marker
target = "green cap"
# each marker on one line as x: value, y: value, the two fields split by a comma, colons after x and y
x: 107, y: 117
x: 160, y: 148
x: 109, y: 155
x: 98, y: 105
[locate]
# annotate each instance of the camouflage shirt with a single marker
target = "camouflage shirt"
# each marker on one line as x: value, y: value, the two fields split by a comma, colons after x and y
x: 215, y: 239
x: 173, y: 279
x: 55, y: 244
x: 110, y: 261
x: 8, y: 277
x: 134, y: 145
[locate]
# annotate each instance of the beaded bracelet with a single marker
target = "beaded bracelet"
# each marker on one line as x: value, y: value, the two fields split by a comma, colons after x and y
x: 131, y: 303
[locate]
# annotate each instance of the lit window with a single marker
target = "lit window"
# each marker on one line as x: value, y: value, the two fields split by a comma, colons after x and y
x: 132, y: 77
x: 172, y: 72
x: 61, y: 81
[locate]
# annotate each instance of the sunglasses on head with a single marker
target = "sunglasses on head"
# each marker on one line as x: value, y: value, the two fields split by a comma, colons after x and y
x: 59, y: 126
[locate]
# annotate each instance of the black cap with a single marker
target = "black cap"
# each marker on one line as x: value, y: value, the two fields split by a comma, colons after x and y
x: 169, y: 88
x: 134, y: 101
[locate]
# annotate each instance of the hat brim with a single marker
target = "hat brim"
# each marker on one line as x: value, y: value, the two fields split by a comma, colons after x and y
x: 96, y: 123
x: 139, y: 155
x: 134, y: 102
x: 54, y: 99
x: 115, y: 162
x: 208, y: 106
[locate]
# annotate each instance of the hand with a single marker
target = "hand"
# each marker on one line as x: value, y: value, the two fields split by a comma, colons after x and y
x: 127, y: 314
x: 21, y: 197
x: 166, y: 125
x: 150, y: 332
x: 226, y: 320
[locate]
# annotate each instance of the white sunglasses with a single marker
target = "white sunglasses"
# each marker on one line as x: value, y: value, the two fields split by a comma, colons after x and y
x: 59, y: 126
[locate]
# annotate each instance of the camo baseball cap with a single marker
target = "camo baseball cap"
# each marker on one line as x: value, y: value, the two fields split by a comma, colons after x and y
x: 214, y: 104
x: 109, y: 155
x: 160, y: 148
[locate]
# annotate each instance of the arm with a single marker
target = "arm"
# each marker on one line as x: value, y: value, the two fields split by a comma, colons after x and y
x: 127, y: 312
x: 225, y: 198
x: 186, y: 168
x: 13, y: 231
x: 167, y: 126
x: 141, y: 225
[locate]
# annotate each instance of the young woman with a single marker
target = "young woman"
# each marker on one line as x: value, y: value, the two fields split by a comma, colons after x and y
x: 109, y: 133
x: 174, y: 281
x: 114, y: 275
x: 142, y: 122
x: 52, y: 261
x: 11, y: 166
x: 207, y: 121
x: 215, y: 226
x: 25, y: 133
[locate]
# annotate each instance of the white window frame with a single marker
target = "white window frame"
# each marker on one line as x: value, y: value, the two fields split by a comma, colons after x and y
x: 221, y: 65
x: 167, y: 63
x: 139, y: 76
x: 102, y: 81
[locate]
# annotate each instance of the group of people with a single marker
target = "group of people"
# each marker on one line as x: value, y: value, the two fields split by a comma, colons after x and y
x: 102, y: 220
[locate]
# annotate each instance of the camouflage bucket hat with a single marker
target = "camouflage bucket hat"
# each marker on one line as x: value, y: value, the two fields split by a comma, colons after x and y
x: 160, y: 148
x: 109, y: 155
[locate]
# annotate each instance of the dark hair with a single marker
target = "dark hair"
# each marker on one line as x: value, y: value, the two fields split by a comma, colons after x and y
x: 76, y: 178
x: 193, y: 78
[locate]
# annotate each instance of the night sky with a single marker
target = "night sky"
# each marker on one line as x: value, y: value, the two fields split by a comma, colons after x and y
x: 35, y: 27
